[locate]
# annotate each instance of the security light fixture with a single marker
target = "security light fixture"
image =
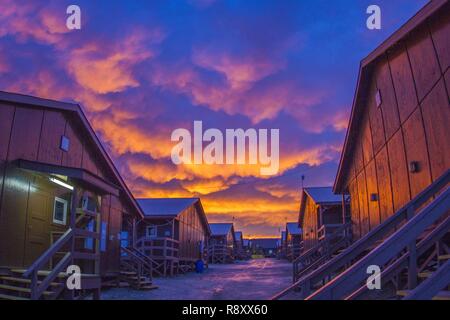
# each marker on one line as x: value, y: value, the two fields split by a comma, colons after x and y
x: 378, y: 98
x: 63, y: 184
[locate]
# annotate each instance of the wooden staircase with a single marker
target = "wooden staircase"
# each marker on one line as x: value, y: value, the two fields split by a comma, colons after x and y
x: 326, y: 249
x: 46, y: 277
x: 15, y: 287
x: 136, y: 270
x: 435, y: 283
x: 408, y: 247
x: 134, y: 280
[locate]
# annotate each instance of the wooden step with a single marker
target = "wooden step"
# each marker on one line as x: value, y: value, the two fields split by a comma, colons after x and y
x: 425, y: 274
x: 444, y: 257
x: 150, y: 287
x: 26, y: 281
x: 442, y: 295
x: 42, y: 273
x: 123, y: 284
x: 8, y: 297
x: 24, y: 290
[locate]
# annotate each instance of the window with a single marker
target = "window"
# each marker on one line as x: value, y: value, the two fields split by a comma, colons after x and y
x: 152, y: 231
x: 60, y: 211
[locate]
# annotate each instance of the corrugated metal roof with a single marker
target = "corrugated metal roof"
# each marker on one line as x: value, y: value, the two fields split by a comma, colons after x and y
x: 165, y: 206
x: 323, y: 195
x: 238, y: 235
x: 293, y: 228
x: 220, y: 229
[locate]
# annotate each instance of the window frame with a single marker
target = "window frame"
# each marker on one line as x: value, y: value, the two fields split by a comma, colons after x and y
x: 147, y: 233
x: 65, y: 209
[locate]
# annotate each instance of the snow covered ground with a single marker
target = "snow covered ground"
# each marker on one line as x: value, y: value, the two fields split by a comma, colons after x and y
x: 253, y: 279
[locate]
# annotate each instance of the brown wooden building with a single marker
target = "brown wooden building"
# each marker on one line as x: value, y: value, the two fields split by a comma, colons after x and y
x: 62, y: 200
x: 222, y: 243
x: 239, y: 245
x: 174, y: 233
x: 321, y: 213
x: 395, y: 165
x: 282, y: 248
x: 293, y: 240
x: 266, y: 247
x: 398, y: 142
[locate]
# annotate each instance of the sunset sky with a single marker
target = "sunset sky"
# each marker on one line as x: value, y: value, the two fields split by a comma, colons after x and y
x: 141, y: 69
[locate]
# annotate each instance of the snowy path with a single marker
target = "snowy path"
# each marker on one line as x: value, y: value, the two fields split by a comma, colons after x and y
x: 253, y: 279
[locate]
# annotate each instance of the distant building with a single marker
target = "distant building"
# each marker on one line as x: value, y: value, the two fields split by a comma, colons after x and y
x: 283, y: 246
x: 320, y: 214
x: 222, y: 243
x: 293, y: 240
x: 239, y: 246
x: 174, y: 232
x: 265, y: 246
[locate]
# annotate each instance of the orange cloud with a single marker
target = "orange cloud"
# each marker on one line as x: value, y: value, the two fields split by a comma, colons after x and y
x: 29, y: 20
x: 240, y: 72
x: 105, y: 71
x: 124, y: 137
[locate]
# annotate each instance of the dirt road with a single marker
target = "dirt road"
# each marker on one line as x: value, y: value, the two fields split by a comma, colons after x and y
x: 253, y: 279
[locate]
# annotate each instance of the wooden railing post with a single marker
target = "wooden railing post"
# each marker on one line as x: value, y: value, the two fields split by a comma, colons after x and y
x: 412, y: 264
x: 73, y: 217
x: 33, y: 286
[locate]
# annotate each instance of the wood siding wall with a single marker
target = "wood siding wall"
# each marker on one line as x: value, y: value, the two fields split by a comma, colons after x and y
x: 310, y: 224
x: 34, y: 134
x: 410, y: 125
x: 332, y: 214
x: 191, y: 232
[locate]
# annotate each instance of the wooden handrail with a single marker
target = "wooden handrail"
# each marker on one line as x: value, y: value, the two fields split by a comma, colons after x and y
x: 323, y: 245
x: 62, y: 264
x: 378, y: 233
x: 140, y: 240
x: 399, y: 264
x: 407, y: 234
x: 32, y: 272
x: 46, y: 256
x: 138, y: 258
x: 431, y: 286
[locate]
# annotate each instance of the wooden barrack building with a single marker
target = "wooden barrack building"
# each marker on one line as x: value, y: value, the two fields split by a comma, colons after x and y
x: 62, y: 200
x: 221, y: 247
x: 239, y: 250
x: 293, y: 240
x: 395, y: 165
x: 174, y: 233
x: 321, y: 214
